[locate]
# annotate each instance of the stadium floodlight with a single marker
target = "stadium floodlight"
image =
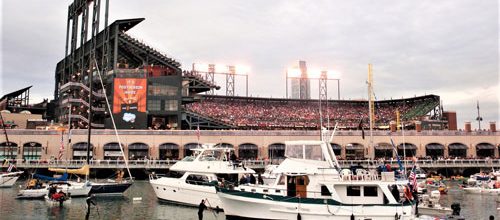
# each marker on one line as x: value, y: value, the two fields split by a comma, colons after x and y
x: 221, y: 68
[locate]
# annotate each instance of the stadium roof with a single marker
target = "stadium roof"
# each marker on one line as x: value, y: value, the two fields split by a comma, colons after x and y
x: 15, y: 93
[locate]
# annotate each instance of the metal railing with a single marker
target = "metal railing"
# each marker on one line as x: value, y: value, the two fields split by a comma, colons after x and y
x: 162, y: 164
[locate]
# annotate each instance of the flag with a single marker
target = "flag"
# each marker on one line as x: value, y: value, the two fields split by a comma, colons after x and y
x: 61, y: 149
x: 198, y: 132
x: 360, y: 127
x: 11, y: 166
x: 413, y: 178
x: 397, y: 156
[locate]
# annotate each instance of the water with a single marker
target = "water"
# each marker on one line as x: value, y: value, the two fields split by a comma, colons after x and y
x: 473, y: 206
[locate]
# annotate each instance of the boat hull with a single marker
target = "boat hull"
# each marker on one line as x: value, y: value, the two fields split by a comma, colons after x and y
x: 8, y: 181
x: 109, y: 188
x: 177, y: 191
x: 52, y: 203
x: 478, y: 190
x: 423, y: 210
x: 74, y: 190
x: 260, y: 206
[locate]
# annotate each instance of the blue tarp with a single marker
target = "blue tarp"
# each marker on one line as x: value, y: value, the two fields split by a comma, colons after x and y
x: 64, y: 177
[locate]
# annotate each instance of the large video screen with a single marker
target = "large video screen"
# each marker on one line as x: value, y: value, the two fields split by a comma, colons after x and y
x: 129, y: 103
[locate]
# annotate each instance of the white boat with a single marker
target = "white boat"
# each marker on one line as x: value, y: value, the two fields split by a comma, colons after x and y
x: 311, y: 186
x: 193, y: 178
x: 430, y: 205
x: 481, y: 190
x: 8, y: 179
x: 72, y: 189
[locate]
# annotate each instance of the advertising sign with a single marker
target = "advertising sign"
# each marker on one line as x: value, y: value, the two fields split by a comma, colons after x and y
x: 129, y: 102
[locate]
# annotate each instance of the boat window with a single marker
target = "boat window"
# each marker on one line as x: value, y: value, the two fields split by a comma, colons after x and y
x: 301, y: 151
x: 325, y: 191
x: 197, y: 179
x: 174, y: 174
x: 282, y: 180
x: 370, y: 191
x: 188, y: 158
x: 353, y: 191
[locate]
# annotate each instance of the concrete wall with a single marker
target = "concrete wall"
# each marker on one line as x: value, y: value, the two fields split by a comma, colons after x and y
x: 51, y: 140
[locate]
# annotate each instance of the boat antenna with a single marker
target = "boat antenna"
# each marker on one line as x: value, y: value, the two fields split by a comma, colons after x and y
x: 112, y: 120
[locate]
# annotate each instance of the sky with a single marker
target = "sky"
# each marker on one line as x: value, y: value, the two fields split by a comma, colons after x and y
x: 447, y: 48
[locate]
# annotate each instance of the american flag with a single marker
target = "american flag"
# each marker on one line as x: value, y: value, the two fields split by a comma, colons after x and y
x: 413, y: 178
x: 61, y: 149
x: 11, y: 166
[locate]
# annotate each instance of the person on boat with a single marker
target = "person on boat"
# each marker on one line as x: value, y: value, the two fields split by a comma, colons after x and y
x: 234, y: 160
x: 252, y: 179
x: 260, y: 181
x: 52, y: 190
x: 201, y: 208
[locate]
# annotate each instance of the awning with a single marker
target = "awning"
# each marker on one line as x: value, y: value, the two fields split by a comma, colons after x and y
x: 168, y: 147
x: 485, y: 147
x: 457, y: 147
x: 138, y: 146
x: 336, y: 147
x: 277, y: 147
x: 111, y: 146
x: 434, y: 147
x: 81, y: 146
x: 354, y: 147
x: 248, y: 147
x: 407, y: 147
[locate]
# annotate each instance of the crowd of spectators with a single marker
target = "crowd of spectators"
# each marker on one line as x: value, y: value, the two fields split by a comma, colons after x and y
x: 263, y: 114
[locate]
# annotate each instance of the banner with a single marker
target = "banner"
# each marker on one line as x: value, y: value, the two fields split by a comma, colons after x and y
x: 129, y: 102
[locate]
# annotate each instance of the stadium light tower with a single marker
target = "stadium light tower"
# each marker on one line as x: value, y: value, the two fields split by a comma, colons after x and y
x: 323, y: 76
x: 230, y: 71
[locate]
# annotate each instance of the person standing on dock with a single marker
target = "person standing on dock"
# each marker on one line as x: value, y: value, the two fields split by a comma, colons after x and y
x: 201, y: 208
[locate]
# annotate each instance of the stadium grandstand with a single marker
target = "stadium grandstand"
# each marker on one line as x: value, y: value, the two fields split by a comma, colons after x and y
x: 148, y: 89
x: 300, y: 114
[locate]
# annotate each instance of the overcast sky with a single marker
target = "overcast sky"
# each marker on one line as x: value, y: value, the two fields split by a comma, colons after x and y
x: 447, y: 48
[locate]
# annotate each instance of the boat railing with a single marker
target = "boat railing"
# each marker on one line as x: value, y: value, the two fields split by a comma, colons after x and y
x: 360, y: 175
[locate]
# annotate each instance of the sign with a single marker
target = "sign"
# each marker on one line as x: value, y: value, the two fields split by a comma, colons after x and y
x: 129, y: 102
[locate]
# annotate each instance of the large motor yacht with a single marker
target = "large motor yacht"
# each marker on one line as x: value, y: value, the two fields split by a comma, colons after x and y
x: 311, y: 185
x: 194, y: 177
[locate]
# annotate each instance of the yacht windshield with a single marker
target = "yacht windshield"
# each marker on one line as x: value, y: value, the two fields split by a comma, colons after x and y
x: 303, y: 151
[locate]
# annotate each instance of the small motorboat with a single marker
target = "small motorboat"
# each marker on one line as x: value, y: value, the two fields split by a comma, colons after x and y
x: 430, y: 205
x: 57, y: 199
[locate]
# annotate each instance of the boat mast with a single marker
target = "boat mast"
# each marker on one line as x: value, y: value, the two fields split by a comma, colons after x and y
x: 112, y: 119
x: 6, y: 136
x: 371, y: 107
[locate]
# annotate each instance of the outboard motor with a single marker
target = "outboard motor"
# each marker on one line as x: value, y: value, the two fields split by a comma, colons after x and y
x: 456, y: 209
